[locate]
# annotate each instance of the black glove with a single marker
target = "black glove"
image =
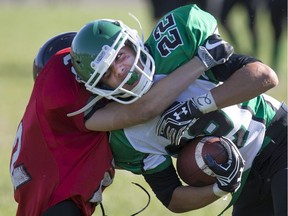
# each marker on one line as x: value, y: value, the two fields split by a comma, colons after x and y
x: 228, y: 174
x: 214, y: 51
x: 176, y: 119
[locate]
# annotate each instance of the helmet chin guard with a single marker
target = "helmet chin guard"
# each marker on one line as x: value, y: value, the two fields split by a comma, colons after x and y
x: 94, y: 49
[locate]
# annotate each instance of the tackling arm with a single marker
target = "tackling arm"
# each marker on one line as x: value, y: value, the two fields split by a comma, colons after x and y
x: 150, y: 104
x: 163, y: 93
x: 245, y: 78
x: 247, y: 82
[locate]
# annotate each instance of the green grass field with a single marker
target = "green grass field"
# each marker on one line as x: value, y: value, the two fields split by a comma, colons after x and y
x: 24, y: 29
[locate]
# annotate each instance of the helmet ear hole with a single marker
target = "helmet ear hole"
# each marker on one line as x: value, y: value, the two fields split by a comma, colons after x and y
x: 117, y: 23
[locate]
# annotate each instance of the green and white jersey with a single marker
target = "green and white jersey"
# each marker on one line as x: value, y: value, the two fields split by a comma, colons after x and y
x: 172, y: 43
x: 140, y: 150
x: 177, y: 36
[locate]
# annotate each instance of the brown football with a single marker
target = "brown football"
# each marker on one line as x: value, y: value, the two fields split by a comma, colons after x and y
x: 190, y: 163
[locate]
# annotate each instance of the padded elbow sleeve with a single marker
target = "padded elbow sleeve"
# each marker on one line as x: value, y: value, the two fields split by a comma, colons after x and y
x: 235, y: 62
x: 163, y: 184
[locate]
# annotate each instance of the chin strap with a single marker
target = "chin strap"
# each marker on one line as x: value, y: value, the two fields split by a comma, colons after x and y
x: 148, y: 198
x: 103, y: 210
x: 83, y: 109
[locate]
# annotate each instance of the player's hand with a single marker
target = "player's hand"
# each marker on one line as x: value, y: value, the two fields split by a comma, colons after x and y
x: 228, y: 174
x: 176, y: 119
x: 214, y: 51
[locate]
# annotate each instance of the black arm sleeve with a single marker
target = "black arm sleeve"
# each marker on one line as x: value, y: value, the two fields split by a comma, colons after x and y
x: 164, y: 183
x: 235, y: 62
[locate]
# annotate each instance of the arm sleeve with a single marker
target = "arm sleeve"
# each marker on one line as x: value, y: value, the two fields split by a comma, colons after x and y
x: 235, y: 62
x: 163, y: 183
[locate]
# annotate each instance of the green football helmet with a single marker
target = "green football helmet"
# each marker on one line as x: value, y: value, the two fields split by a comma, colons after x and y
x: 94, y: 49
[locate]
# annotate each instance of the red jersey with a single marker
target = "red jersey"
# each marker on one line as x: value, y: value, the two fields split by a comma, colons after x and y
x: 55, y: 157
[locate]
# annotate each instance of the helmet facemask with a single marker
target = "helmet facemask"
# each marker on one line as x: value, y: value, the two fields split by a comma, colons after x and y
x: 142, y: 69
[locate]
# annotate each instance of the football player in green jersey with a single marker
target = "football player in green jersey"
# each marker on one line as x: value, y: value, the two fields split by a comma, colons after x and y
x: 54, y: 58
x: 174, y: 42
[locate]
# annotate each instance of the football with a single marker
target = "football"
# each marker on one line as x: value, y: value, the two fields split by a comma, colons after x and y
x: 190, y: 163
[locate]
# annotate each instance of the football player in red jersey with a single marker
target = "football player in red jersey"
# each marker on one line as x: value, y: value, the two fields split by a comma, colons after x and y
x: 59, y: 166
x: 55, y: 159
x: 53, y: 153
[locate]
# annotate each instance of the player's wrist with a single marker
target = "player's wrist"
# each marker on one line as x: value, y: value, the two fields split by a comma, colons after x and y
x: 218, y: 192
x: 206, y: 58
x: 205, y: 103
x: 204, y: 66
